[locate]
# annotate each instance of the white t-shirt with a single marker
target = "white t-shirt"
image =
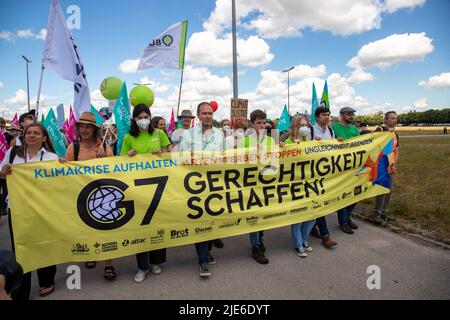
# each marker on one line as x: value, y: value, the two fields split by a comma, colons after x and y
x: 176, y: 135
x: 41, y: 155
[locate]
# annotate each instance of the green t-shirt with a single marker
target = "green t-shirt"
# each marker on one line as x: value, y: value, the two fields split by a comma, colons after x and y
x: 145, y: 143
x: 345, y: 132
x: 289, y: 141
x: 252, y: 141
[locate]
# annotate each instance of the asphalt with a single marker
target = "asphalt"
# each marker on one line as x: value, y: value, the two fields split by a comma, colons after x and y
x: 409, y: 269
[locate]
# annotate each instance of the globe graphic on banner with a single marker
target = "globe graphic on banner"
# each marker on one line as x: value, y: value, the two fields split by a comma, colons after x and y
x: 102, y: 204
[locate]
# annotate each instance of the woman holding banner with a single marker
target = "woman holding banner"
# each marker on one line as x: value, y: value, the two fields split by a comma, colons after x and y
x: 144, y: 138
x: 298, y: 132
x: 89, y: 146
x: 36, y: 147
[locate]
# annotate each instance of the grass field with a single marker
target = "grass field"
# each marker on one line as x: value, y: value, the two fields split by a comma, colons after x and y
x: 409, y: 131
x: 421, y: 194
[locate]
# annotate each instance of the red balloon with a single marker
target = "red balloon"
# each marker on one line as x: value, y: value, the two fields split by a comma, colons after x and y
x: 214, y: 105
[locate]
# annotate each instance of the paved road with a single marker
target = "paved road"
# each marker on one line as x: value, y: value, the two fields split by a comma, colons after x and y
x: 409, y: 270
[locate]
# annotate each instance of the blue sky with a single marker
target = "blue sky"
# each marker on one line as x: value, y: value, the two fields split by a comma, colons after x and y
x: 401, y: 51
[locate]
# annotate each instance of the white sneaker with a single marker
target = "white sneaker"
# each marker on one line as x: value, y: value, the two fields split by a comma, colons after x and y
x: 155, y: 269
x: 140, y: 275
x: 307, y: 247
x: 301, y: 253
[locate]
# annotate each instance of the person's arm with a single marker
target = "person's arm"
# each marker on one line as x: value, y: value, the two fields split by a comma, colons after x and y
x: 5, y: 167
x: 108, y: 151
x: 13, y: 142
x: 70, y: 153
x: 3, y: 294
x: 126, y: 147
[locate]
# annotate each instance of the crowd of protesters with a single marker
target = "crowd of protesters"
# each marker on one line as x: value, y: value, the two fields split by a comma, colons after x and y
x: 30, y: 142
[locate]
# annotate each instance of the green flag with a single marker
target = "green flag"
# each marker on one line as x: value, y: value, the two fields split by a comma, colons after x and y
x: 123, y: 116
x: 314, y: 105
x: 325, y: 102
x: 285, y: 121
x: 99, y: 120
x: 51, y: 124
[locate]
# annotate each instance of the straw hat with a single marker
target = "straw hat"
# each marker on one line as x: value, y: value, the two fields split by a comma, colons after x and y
x: 88, y: 118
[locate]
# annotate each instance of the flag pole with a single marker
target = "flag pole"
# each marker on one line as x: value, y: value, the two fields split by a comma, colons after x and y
x: 179, y: 94
x: 39, y: 93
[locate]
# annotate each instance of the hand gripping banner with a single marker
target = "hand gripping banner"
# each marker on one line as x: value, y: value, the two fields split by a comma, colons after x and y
x: 113, y: 207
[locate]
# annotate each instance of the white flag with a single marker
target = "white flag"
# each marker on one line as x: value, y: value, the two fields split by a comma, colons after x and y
x: 61, y: 55
x: 167, y: 50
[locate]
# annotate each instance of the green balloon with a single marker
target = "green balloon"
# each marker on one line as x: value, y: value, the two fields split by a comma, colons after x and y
x: 142, y: 95
x: 110, y: 88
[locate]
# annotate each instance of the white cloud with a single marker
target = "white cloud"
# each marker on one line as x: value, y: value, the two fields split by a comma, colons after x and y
x: 19, y: 101
x: 25, y: 33
x: 420, y: 104
x: 359, y: 76
x: 286, y: 18
x: 409, y: 47
x: 441, y: 81
x: 303, y: 71
x: 393, y: 5
x: 129, y: 66
x: 97, y: 99
x: 1, y: 84
x: 155, y: 86
x: 19, y: 98
x: 271, y: 93
x: 42, y: 34
x: 6, y: 35
x: 206, y: 48
x: 199, y: 84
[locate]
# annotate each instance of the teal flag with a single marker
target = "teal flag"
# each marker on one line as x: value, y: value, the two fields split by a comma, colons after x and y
x: 325, y: 102
x: 42, y: 117
x: 99, y: 120
x: 314, y: 105
x: 123, y: 116
x: 285, y: 121
x: 51, y: 124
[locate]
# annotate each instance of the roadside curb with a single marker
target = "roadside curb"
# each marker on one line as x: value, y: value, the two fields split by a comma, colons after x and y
x: 398, y: 230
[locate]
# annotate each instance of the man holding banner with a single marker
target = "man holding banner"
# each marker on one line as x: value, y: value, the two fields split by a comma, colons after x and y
x: 346, y: 130
x: 259, y: 140
x: 203, y: 137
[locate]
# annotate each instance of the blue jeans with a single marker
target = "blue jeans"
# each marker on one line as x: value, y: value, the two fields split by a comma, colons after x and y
x: 344, y: 214
x: 202, y: 249
x: 300, y: 232
x: 255, y: 239
x: 323, y: 228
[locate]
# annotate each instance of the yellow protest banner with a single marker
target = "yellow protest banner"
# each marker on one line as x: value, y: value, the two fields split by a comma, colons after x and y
x: 112, y: 207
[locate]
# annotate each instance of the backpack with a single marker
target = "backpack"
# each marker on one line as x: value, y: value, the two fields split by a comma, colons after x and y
x: 13, y: 154
x: 76, y: 149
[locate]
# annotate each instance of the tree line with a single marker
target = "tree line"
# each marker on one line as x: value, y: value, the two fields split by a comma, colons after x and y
x: 413, y: 117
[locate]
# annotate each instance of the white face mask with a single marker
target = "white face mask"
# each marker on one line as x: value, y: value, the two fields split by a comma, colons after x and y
x: 226, y: 128
x: 303, y: 131
x: 143, y: 123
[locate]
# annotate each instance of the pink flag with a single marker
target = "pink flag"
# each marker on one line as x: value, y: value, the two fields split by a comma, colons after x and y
x: 172, y: 122
x: 15, y: 120
x: 3, y: 145
x: 70, y: 128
